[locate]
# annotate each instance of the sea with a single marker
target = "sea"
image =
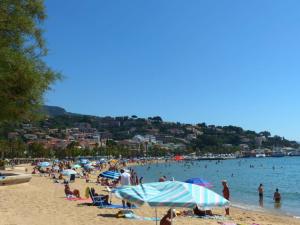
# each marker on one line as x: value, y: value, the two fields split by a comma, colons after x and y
x: 243, y: 176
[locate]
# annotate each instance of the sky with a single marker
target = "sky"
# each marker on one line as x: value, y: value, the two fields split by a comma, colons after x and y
x: 222, y: 62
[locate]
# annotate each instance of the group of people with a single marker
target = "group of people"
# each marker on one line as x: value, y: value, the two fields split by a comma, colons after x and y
x: 276, y: 196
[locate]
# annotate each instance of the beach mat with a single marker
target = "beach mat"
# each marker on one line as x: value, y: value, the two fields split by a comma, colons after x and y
x: 112, y: 206
x: 227, y: 223
x: 84, y: 200
x: 136, y: 217
x: 214, y: 217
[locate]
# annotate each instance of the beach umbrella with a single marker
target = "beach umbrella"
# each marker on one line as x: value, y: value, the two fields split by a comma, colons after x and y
x: 44, y: 164
x: 88, y: 166
x: 114, y: 175
x: 76, y: 166
x: 200, y: 182
x: 84, y: 161
x: 68, y: 172
x: 178, y: 157
x: 94, y: 163
x: 102, y: 160
x: 113, y: 161
x: 171, y: 194
x: 56, y: 168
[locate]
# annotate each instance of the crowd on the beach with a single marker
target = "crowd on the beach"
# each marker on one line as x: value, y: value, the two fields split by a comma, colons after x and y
x: 127, y: 177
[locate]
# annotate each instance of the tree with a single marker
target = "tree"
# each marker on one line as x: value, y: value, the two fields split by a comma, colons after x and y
x: 24, y: 76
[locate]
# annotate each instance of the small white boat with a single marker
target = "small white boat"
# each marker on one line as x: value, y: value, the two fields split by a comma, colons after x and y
x: 13, y: 178
x: 260, y: 155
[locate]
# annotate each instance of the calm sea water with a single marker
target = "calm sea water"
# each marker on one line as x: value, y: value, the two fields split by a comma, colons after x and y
x: 282, y: 173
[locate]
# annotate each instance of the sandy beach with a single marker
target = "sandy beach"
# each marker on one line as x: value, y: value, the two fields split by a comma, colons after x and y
x: 43, y: 202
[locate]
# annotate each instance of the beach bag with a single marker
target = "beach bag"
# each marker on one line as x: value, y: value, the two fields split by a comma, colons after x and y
x: 122, y: 213
x: 87, y: 193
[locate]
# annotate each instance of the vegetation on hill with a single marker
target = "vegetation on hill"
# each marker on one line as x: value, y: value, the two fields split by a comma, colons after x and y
x: 199, y: 138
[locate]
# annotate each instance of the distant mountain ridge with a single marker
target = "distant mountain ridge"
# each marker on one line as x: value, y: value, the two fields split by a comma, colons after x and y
x: 54, y: 110
x: 196, y: 137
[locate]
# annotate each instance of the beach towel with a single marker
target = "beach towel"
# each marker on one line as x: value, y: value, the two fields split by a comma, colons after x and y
x: 113, y: 206
x: 213, y: 217
x: 133, y: 216
x: 227, y: 223
x: 86, y: 200
x: 129, y: 214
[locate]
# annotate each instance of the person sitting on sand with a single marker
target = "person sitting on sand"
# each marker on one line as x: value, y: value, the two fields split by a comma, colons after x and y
x: 277, y: 196
x: 166, y: 220
x: 69, y: 193
x: 162, y: 179
x: 105, y: 197
x: 199, y: 212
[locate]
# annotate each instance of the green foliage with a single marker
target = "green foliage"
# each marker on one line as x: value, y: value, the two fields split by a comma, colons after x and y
x: 24, y: 76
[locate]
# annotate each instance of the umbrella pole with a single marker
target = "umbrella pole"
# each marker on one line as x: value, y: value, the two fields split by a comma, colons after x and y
x: 156, y: 215
x: 171, y: 216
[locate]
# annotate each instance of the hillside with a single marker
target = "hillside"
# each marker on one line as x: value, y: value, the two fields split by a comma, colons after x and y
x: 198, y: 136
x: 64, y: 134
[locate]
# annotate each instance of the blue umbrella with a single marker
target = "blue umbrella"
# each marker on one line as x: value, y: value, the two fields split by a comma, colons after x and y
x: 114, y: 175
x: 200, y: 182
x: 84, y: 161
x: 68, y: 172
x: 44, y: 164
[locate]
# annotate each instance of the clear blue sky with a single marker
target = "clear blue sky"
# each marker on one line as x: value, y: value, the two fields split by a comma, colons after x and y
x: 221, y: 62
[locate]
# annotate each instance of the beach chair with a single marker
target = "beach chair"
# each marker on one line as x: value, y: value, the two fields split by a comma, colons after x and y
x: 100, y: 202
x: 97, y: 200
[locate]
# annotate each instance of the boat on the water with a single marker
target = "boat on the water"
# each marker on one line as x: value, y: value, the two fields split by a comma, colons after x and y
x: 295, y: 153
x: 260, y: 155
x: 13, y: 178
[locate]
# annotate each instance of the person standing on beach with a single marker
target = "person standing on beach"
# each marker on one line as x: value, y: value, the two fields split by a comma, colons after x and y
x: 261, y: 194
x: 124, y: 180
x: 226, y: 195
x: 261, y: 191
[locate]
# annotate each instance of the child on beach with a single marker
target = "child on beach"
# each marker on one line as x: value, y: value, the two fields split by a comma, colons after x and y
x: 166, y: 220
x: 70, y: 193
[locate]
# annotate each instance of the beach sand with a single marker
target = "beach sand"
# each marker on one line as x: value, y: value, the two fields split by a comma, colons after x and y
x: 43, y: 202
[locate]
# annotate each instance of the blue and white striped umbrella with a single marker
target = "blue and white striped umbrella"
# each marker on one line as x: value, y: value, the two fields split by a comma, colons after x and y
x: 76, y: 166
x: 110, y: 174
x: 171, y: 194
